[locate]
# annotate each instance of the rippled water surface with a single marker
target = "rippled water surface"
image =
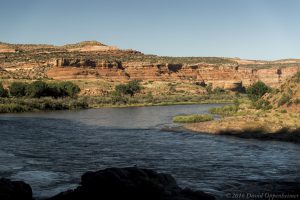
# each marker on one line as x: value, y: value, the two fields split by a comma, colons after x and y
x: 51, y: 150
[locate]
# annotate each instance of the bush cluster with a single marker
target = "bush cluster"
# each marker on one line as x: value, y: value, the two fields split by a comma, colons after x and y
x: 257, y: 90
x: 130, y: 88
x: 285, y: 99
x: 14, y: 105
x: 218, y: 90
x: 39, y: 89
x: 262, y: 104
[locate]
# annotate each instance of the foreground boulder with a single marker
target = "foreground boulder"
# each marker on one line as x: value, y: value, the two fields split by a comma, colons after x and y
x: 14, y: 190
x: 129, y: 183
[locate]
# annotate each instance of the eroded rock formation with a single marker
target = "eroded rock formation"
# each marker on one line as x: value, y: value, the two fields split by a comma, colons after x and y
x: 223, y: 75
x: 94, y: 60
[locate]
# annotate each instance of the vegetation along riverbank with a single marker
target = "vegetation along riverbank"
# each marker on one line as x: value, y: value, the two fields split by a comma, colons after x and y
x: 268, y: 113
x: 106, y: 76
x: 24, y: 96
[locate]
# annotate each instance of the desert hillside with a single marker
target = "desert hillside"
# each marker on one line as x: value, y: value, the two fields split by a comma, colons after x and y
x: 276, y: 112
x: 287, y: 96
x: 92, y: 60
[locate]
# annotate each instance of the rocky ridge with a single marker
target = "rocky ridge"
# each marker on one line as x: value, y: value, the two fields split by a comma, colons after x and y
x: 94, y: 60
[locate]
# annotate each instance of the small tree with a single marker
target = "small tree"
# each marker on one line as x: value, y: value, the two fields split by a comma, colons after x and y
x: 134, y: 87
x: 121, y: 89
x: 3, y: 91
x: 257, y: 90
x: 130, y: 88
x: 18, y: 89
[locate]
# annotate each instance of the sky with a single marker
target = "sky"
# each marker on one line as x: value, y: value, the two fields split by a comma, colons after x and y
x: 249, y: 29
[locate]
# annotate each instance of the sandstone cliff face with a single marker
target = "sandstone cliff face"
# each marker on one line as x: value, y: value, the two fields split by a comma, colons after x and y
x: 224, y: 76
x: 94, y: 60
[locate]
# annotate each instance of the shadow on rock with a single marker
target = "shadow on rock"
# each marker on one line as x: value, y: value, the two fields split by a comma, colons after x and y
x: 130, y: 183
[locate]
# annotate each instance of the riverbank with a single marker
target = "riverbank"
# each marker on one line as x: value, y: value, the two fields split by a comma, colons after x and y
x: 248, y: 122
x: 268, y: 114
x: 245, y: 128
x: 16, y: 105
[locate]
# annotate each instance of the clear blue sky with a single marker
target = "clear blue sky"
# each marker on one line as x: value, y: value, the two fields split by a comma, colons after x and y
x: 254, y: 29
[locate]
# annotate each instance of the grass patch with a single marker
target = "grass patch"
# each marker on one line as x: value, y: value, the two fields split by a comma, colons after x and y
x: 285, y: 99
x: 13, y: 108
x: 225, y: 110
x: 192, y: 118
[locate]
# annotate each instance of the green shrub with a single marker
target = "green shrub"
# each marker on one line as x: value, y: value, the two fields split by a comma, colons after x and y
x: 18, y: 89
x: 3, y: 91
x: 55, y: 90
x: 192, y: 118
x: 262, y: 104
x: 285, y: 99
x: 36, y: 89
x: 257, y: 90
x: 130, y: 88
x: 149, y: 97
x: 134, y: 87
x: 9, y: 105
x: 218, y: 90
x: 283, y: 111
x: 121, y: 89
x: 118, y: 98
x: 40, y: 89
x: 13, y: 108
x: 69, y: 89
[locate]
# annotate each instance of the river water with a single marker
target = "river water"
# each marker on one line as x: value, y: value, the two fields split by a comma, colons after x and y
x: 51, y: 150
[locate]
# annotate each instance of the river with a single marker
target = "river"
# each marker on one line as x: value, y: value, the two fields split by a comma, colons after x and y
x: 51, y: 150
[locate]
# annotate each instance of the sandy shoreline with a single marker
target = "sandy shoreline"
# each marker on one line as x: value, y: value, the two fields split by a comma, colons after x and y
x: 246, y: 127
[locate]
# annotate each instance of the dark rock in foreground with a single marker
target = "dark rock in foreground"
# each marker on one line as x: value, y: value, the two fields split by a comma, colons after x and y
x: 14, y: 190
x: 129, y: 183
